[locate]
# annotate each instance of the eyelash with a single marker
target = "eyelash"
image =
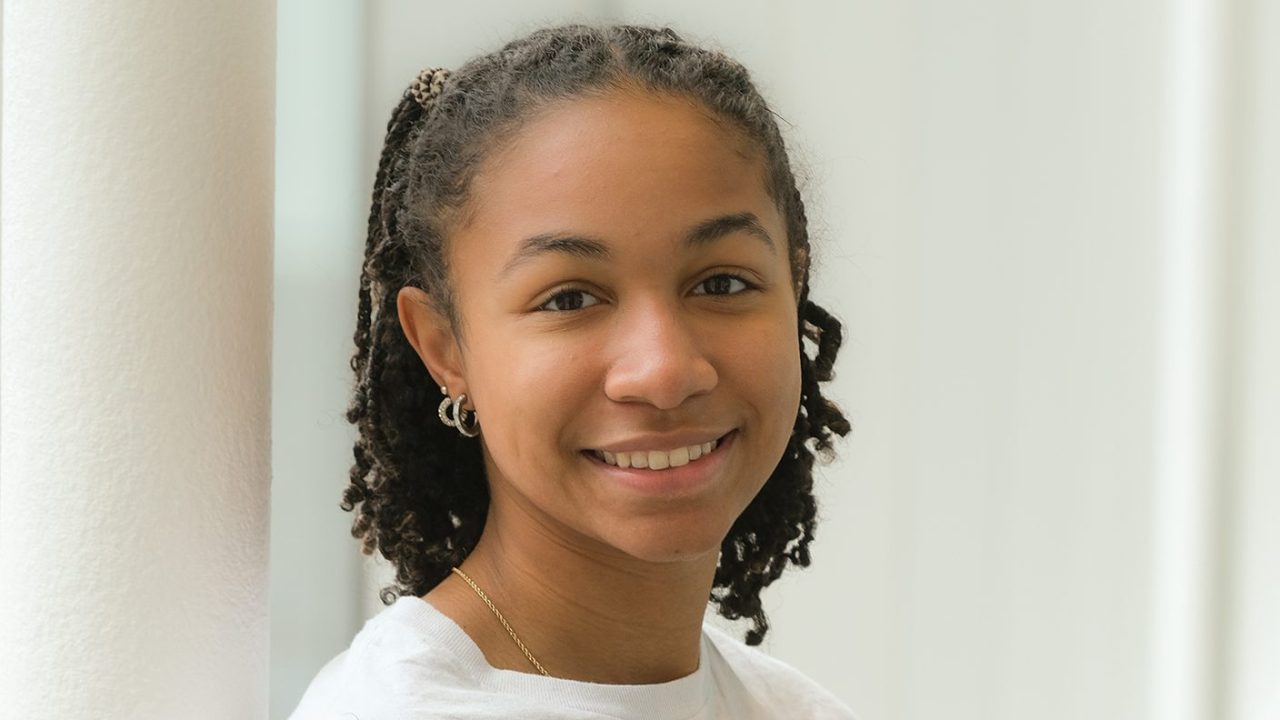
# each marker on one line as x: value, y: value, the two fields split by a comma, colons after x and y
x: 567, y: 291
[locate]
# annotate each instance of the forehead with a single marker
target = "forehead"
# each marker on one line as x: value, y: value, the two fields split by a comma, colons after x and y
x: 617, y: 165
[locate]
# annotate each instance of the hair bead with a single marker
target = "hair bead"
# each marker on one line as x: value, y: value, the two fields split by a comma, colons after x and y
x: 427, y: 86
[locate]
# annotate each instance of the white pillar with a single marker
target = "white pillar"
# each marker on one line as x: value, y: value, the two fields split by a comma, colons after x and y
x: 135, y: 337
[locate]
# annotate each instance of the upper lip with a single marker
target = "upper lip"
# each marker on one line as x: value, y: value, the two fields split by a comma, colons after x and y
x: 662, y: 441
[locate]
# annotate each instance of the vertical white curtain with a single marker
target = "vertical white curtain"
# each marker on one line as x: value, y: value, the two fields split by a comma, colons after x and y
x: 135, y: 339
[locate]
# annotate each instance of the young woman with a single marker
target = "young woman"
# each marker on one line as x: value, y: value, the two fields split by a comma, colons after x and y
x: 585, y: 403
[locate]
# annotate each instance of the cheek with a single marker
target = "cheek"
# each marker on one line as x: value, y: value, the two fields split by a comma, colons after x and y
x: 767, y: 370
x: 528, y: 391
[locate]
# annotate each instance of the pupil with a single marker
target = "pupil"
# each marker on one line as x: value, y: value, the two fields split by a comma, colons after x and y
x: 718, y: 285
x: 569, y: 301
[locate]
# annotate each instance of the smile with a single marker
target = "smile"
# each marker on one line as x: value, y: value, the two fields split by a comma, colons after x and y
x: 657, y: 459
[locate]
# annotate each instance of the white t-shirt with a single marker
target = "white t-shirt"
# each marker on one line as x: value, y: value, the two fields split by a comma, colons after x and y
x: 412, y: 662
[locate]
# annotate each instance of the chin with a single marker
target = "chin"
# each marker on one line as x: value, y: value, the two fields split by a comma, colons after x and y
x: 669, y: 544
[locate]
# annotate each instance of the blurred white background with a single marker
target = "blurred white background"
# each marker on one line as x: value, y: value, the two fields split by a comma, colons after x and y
x: 1050, y: 230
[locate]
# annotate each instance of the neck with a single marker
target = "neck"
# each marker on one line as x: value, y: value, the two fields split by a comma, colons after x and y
x: 585, y: 613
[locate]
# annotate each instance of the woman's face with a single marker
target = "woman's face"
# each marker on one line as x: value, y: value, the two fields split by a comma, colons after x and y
x: 623, y: 285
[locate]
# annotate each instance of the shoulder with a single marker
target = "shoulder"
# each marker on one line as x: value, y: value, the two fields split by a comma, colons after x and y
x: 328, y: 696
x: 768, y: 680
x: 400, y: 662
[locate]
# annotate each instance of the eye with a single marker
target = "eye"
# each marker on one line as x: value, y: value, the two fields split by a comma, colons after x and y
x: 568, y: 300
x: 723, y: 284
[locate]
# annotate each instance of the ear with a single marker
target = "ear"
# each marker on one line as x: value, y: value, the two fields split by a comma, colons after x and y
x: 431, y: 336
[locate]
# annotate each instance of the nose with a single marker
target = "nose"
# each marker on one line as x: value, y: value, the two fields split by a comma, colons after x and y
x: 658, y: 359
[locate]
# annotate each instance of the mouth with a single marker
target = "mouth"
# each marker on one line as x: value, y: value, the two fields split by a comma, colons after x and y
x: 660, y: 459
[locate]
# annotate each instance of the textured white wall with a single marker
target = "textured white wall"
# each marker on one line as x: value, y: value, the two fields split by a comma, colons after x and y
x: 134, y: 362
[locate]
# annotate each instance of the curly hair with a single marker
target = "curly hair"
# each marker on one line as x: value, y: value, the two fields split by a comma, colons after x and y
x: 420, y: 487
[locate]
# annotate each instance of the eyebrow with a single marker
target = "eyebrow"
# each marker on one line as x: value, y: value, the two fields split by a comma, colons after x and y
x: 593, y: 248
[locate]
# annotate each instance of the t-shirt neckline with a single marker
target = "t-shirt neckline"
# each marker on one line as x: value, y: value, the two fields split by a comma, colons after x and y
x: 682, y: 697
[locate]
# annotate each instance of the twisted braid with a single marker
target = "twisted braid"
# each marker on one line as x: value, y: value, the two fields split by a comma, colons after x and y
x: 382, y: 364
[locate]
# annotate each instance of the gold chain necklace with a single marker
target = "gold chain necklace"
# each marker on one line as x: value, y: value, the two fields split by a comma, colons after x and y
x: 501, y: 619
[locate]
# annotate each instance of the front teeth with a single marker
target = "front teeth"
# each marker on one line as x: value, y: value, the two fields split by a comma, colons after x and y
x: 657, y: 459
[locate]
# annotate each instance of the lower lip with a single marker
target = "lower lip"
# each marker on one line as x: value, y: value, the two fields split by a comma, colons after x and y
x: 673, y: 480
